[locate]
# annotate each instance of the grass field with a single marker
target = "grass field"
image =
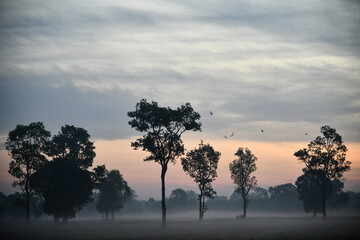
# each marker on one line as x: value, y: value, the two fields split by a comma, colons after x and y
x: 251, y: 228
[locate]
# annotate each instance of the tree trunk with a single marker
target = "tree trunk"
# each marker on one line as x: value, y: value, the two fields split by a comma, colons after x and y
x: 27, y: 206
x: 200, y: 208
x: 27, y: 193
x: 314, y: 214
x: 163, y: 204
x: 244, y: 206
x: 324, y: 200
x: 112, y: 214
x: 107, y: 215
x: 65, y: 220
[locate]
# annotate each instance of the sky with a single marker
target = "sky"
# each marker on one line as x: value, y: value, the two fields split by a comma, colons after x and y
x: 287, y: 67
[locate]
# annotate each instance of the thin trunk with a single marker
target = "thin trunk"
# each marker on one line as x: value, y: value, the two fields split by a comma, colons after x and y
x: 107, y: 215
x: 27, y: 193
x: 163, y: 204
x: 244, y: 205
x: 200, y: 209
x: 314, y: 214
x: 112, y: 214
x: 324, y: 200
x: 27, y: 206
x: 65, y: 220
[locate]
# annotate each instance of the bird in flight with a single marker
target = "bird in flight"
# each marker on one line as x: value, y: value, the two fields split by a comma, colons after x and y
x: 262, y: 130
x: 306, y: 133
x: 232, y: 134
x: 225, y: 137
x: 211, y: 113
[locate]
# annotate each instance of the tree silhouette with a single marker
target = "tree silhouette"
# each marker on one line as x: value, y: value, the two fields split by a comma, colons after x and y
x: 178, y: 198
x: 325, y: 159
x: 26, y: 145
x: 64, y: 186
x: 201, y: 164
x: 163, y: 128
x: 311, y: 195
x: 65, y: 183
x: 114, y: 191
x: 98, y: 176
x: 241, y: 170
x: 73, y: 144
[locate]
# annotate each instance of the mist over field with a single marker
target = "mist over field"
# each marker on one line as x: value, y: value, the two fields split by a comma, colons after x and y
x: 251, y: 228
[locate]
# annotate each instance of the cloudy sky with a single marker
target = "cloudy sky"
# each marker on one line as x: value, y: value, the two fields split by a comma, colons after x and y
x: 288, y: 67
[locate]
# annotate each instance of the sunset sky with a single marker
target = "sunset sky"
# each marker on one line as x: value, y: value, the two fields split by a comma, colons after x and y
x: 287, y: 67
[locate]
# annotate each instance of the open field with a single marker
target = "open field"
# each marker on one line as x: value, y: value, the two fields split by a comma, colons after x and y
x: 251, y: 228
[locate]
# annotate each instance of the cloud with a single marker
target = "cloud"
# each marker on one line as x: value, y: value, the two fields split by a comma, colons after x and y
x: 286, y: 66
x: 25, y: 98
x: 333, y: 22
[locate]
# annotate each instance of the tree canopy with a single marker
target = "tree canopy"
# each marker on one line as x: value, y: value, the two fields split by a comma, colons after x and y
x: 73, y: 144
x: 163, y: 127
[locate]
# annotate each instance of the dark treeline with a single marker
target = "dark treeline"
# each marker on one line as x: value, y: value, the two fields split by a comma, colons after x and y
x: 278, y: 199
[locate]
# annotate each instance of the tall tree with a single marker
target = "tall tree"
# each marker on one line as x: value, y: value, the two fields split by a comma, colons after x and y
x: 65, y: 183
x: 26, y: 145
x: 201, y: 164
x: 114, y: 191
x: 241, y: 170
x: 163, y: 128
x: 325, y: 159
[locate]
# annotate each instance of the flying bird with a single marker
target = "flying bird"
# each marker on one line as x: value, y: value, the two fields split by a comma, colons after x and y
x: 232, y: 134
x: 262, y: 130
x: 225, y: 137
x: 211, y: 113
x: 306, y: 133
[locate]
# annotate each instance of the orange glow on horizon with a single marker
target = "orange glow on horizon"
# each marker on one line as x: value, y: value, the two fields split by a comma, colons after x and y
x: 275, y: 165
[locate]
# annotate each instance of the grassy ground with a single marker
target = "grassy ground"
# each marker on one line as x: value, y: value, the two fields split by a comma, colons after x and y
x: 251, y: 228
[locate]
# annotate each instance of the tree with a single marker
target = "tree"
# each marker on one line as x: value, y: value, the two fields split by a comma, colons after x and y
x: 114, y: 191
x: 325, y: 159
x: 311, y: 196
x: 26, y: 145
x: 258, y: 193
x: 201, y: 164
x: 241, y: 170
x: 309, y: 193
x: 65, y: 183
x: 283, y: 192
x: 178, y: 198
x: 163, y: 128
x: 98, y: 176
